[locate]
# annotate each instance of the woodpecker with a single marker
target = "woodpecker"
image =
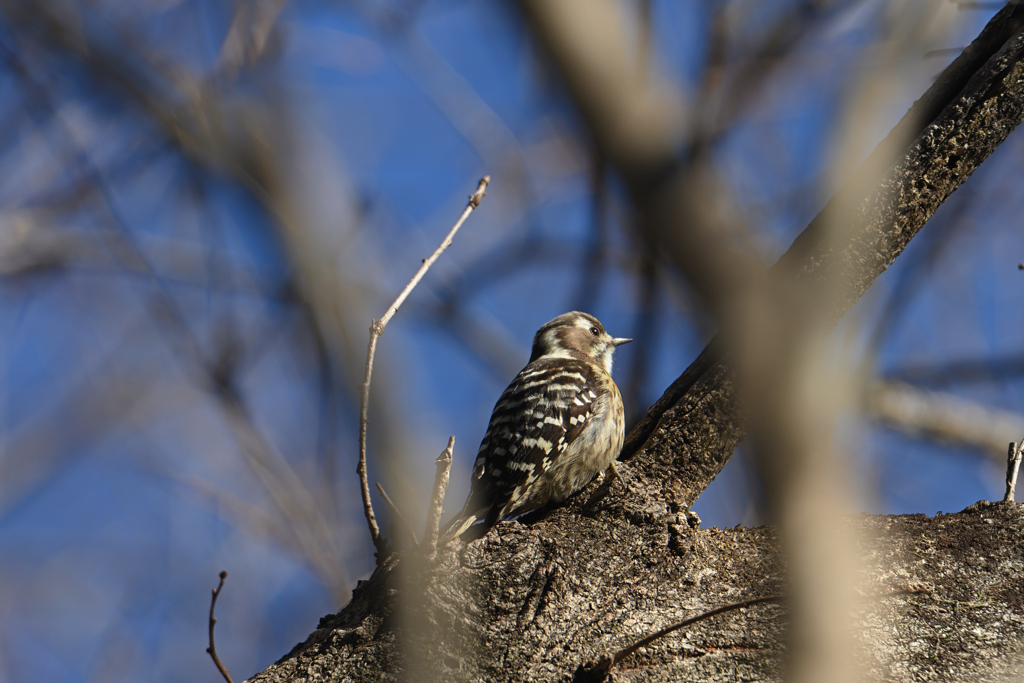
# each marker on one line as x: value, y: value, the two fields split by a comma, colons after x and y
x: 557, y: 425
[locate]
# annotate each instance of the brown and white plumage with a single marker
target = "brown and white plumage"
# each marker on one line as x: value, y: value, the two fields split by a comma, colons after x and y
x: 557, y: 425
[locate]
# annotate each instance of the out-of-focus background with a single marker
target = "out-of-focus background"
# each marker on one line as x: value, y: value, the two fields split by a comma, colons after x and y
x: 204, y: 204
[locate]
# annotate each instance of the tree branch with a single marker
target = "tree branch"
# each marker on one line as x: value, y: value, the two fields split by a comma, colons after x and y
x: 376, y: 330
x: 444, y: 466
x: 1013, y: 458
x: 944, y: 416
x: 691, y: 431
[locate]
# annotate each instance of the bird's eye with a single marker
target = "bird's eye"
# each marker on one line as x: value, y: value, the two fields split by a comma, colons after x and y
x: 594, y: 331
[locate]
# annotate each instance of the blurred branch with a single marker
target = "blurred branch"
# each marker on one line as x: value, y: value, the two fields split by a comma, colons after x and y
x: 638, y: 125
x: 188, y: 114
x: 506, y: 260
x: 727, y: 90
x: 961, y: 371
x: 596, y: 260
x: 312, y: 531
x: 485, y: 337
x: 27, y: 248
x: 397, y: 516
x: 103, y: 393
x: 376, y: 330
x: 249, y: 34
x: 330, y: 398
x: 195, y: 123
x: 132, y: 76
x: 239, y: 137
x: 945, y: 417
x: 219, y: 502
x: 645, y: 21
x: 645, y: 326
x: 457, y: 100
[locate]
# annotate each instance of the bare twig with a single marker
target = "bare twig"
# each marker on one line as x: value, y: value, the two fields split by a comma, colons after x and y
x: 627, y: 651
x: 376, y: 330
x: 444, y: 466
x: 397, y: 514
x: 596, y: 670
x: 212, y: 650
x: 1013, y: 457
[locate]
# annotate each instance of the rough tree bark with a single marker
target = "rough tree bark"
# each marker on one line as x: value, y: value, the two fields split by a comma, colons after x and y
x: 536, y: 598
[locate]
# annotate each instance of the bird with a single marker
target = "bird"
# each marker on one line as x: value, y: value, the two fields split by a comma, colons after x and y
x: 557, y: 426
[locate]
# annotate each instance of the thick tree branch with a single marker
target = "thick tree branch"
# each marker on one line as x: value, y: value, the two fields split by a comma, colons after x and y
x: 531, y: 603
x: 690, y: 433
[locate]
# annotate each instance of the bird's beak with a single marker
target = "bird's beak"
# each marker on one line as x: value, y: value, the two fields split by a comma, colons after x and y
x: 619, y: 341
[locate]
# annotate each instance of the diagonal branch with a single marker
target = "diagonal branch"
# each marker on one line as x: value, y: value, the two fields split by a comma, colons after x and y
x: 967, y: 113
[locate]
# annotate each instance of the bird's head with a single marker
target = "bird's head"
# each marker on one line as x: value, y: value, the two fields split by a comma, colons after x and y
x: 576, y: 335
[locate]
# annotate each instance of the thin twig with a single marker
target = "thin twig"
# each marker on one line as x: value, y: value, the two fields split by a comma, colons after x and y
x: 1013, y: 457
x: 627, y: 651
x: 376, y: 330
x: 212, y: 650
x: 397, y: 514
x: 444, y: 466
x: 596, y: 670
